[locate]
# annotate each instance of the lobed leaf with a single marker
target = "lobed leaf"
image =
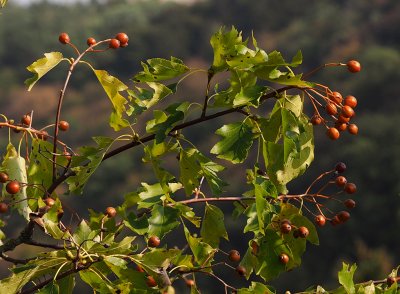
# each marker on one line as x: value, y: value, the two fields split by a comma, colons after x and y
x: 159, y: 69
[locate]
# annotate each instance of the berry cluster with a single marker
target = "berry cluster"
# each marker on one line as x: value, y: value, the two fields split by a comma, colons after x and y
x: 120, y: 40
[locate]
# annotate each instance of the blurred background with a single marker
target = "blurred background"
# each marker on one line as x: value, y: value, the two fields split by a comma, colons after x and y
x: 325, y: 31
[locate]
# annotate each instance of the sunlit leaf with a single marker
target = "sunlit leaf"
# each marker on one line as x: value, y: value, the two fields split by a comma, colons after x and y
x: 163, y: 219
x: 159, y: 69
x: 346, y: 277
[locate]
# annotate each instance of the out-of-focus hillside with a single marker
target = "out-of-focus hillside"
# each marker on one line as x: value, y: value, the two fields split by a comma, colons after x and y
x: 326, y: 31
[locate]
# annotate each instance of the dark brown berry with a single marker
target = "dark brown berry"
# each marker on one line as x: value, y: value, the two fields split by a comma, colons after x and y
x: 341, y: 181
x: 285, y: 228
x: 254, y: 247
x: 26, y: 120
x: 110, y: 212
x: 91, y: 41
x: 284, y: 258
x: 151, y: 282
x: 64, y: 38
x: 350, y: 188
x: 303, y: 232
x: 333, y: 133
x: 3, y: 207
x: 350, y: 203
x: 350, y: 101
x: 114, y: 44
x: 3, y: 177
x: 63, y: 125
x: 153, y: 241
x: 340, y: 167
x: 13, y: 187
x: 335, y: 221
x: 241, y: 270
x: 343, y: 216
x: 353, y: 129
x: 320, y: 220
x: 234, y: 255
x: 353, y: 66
x: 390, y: 281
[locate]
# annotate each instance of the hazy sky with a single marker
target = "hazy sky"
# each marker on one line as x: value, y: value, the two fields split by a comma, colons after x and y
x: 25, y: 2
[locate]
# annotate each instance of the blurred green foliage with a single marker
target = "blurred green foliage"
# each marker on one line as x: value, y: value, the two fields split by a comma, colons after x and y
x: 325, y: 31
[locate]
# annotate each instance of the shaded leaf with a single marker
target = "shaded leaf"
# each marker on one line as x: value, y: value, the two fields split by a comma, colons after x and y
x: 213, y: 227
x: 163, y: 219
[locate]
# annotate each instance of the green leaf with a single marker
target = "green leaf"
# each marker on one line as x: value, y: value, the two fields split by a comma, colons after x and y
x: 203, y: 253
x: 150, y: 195
x: 237, y: 140
x: 159, y: 69
x: 190, y: 171
x: 188, y: 213
x: 42, y: 66
x: 138, y: 225
x: 256, y: 288
x: 163, y: 219
x: 95, y: 280
x: 52, y: 229
x: 346, y: 277
x: 144, y: 99
x: 84, y: 235
x: 213, y: 227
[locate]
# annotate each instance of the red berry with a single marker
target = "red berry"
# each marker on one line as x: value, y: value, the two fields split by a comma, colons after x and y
x: 139, y: 268
x: 67, y: 155
x: 347, y: 111
x: 64, y: 38
x: 316, y: 120
x: 353, y: 66
x: 3, y: 207
x: 122, y: 38
x: 13, y: 187
x: 110, y: 212
x: 3, y: 177
x: 353, y: 129
x: 285, y: 228
x: 151, y: 282
x: 234, y: 255
x: 320, y: 220
x: 49, y: 201
x: 350, y: 203
x: 340, y: 126
x: 350, y: 188
x: 63, y: 125
x: 350, y: 101
x: 153, y: 241
x: 303, y: 232
x: 114, y: 44
x: 91, y: 41
x: 43, y: 135
x: 340, y: 167
x: 26, y: 120
x: 254, y: 247
x: 341, y: 181
x: 241, y: 270
x: 284, y: 258
x: 343, y: 216
x: 336, y: 97
x: 343, y: 119
x: 189, y: 283
x: 333, y: 133
x: 335, y: 220
x: 331, y: 109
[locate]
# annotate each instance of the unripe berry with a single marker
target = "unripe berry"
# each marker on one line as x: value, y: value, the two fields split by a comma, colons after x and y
x: 284, y: 258
x: 350, y: 101
x: 13, y: 187
x: 3, y: 177
x: 303, y: 232
x: 153, y: 241
x: 64, y: 38
x: 333, y: 133
x: 353, y: 66
x: 353, y: 129
x: 3, y: 207
x: 350, y: 188
x: 241, y: 270
x: 341, y: 181
x: 110, y: 212
x: 350, y: 203
x: 234, y: 255
x: 114, y: 44
x: 91, y: 41
x: 320, y: 220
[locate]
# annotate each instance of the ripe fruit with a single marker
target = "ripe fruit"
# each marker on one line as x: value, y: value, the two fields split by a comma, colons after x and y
x: 49, y: 201
x: 91, y: 41
x: 340, y: 126
x: 350, y: 188
x: 254, y: 247
x: 3, y: 177
x: 110, y: 212
x: 153, y: 241
x: 285, y: 227
x: 347, y: 111
x: 341, y: 181
x: 3, y: 207
x: 13, y: 187
x: 189, y: 283
x: 316, y: 120
x: 241, y: 270
x: 331, y: 109
x: 114, y: 44
x: 390, y: 281
x: 350, y: 101
x: 333, y: 133
x: 303, y: 232
x: 67, y: 155
x: 151, y: 282
x: 353, y: 66
x: 335, y: 220
x: 353, y: 129
x: 336, y: 97
x: 26, y: 120
x: 350, y: 203
x: 340, y: 167
x: 139, y: 268
x: 122, y: 38
x: 234, y: 255
x: 343, y: 119
x: 64, y: 38
x: 320, y: 220
x: 343, y: 216
x: 284, y: 258
x: 43, y: 135
x: 63, y: 125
